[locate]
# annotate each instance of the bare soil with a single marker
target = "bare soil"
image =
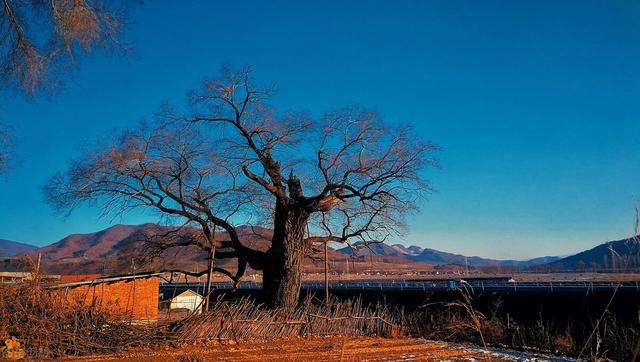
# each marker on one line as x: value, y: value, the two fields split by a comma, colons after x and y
x: 308, y: 349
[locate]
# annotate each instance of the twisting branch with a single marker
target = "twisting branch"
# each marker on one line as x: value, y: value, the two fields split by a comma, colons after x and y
x: 173, y: 170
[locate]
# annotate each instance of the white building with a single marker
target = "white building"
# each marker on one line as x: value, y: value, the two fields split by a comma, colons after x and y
x: 187, y: 300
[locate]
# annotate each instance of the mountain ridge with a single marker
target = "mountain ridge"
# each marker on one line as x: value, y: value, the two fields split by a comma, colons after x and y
x: 428, y: 255
x: 114, y: 248
x: 616, y: 255
x: 10, y: 248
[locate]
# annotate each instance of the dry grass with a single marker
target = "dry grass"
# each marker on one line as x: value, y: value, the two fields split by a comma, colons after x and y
x: 49, y: 325
x: 613, y: 339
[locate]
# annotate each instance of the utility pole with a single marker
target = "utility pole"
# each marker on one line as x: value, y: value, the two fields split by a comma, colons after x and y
x: 466, y: 266
x: 326, y: 273
x: 211, y: 265
x: 38, y: 265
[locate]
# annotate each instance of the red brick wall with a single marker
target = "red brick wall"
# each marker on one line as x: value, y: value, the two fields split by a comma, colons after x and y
x: 136, y: 299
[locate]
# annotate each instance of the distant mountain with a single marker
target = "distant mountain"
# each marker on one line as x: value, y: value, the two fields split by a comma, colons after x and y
x: 543, y: 260
x: 366, y: 249
x: 408, y: 251
x: 103, y: 244
x: 618, y: 255
x: 117, y: 249
x: 426, y: 255
x: 13, y: 248
x: 120, y: 248
x: 441, y: 257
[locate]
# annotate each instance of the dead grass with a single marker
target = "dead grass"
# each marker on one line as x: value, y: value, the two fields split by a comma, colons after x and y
x: 47, y: 324
x: 612, y: 339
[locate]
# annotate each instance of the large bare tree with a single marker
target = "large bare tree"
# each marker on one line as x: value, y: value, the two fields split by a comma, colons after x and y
x: 40, y: 39
x: 232, y: 159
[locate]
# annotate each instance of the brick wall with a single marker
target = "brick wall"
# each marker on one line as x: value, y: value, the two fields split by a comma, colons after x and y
x: 136, y: 299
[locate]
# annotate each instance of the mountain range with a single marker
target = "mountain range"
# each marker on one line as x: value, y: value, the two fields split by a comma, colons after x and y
x: 12, y: 248
x: 427, y: 255
x: 116, y: 250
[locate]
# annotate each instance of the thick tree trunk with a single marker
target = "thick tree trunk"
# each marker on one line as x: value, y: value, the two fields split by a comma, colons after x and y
x: 282, y: 275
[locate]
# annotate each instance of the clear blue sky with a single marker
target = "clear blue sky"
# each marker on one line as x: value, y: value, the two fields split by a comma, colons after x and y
x: 535, y: 104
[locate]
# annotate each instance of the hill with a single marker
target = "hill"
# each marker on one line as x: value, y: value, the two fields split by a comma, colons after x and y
x: 102, y: 244
x: 116, y: 250
x: 612, y: 255
x: 12, y: 248
x: 109, y: 251
x: 120, y: 248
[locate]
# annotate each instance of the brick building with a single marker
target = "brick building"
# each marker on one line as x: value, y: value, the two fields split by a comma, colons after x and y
x: 127, y: 296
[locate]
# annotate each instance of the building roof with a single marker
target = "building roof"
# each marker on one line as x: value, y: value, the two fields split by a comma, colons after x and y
x: 187, y: 293
x: 72, y: 278
x: 108, y: 279
x: 26, y: 275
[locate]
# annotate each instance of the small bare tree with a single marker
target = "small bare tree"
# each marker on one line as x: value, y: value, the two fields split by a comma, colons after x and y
x: 232, y: 159
x: 43, y: 38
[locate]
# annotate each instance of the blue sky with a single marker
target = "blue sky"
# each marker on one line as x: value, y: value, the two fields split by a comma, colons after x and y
x: 535, y: 105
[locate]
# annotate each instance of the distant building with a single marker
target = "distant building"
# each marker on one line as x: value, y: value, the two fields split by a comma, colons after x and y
x: 18, y: 276
x: 13, y: 277
x: 126, y: 296
x: 187, y: 300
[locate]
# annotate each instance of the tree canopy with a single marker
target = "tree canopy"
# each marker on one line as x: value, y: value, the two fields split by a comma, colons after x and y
x: 42, y: 39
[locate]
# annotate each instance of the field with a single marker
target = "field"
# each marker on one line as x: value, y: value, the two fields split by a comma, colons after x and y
x: 315, y: 275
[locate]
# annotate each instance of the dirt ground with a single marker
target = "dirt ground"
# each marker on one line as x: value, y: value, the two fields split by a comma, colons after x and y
x: 314, y: 349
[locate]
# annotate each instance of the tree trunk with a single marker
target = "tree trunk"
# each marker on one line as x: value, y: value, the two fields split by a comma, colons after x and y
x: 282, y: 275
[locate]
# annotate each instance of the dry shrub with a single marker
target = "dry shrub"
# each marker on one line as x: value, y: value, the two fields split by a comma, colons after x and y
x: 563, y: 343
x: 49, y: 325
x: 493, y: 330
x: 613, y: 339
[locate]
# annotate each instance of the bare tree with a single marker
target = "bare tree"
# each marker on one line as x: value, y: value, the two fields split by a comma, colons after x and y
x: 233, y: 159
x: 40, y: 39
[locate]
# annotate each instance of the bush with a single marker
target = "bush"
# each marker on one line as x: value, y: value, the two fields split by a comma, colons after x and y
x: 49, y: 325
